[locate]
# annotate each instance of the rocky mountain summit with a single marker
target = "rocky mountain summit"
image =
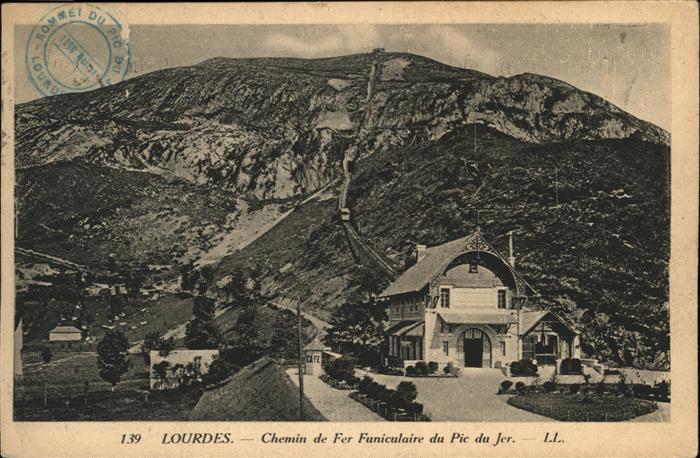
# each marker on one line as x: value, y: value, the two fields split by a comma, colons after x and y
x: 279, y: 128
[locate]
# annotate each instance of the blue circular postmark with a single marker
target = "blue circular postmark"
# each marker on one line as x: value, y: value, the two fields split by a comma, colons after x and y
x: 76, y: 48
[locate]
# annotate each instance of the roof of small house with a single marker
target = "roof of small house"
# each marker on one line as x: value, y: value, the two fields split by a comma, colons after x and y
x: 315, y: 345
x: 530, y: 318
x: 65, y: 329
x: 435, y: 260
x: 260, y: 391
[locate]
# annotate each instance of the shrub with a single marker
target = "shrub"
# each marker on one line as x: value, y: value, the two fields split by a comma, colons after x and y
x: 642, y: 391
x: 524, y: 367
x: 622, y: 387
x: 421, y: 368
x: 451, y: 369
x: 342, y: 369
x: 410, y: 371
x: 385, y: 394
x: 219, y: 369
x: 600, y: 387
x: 573, y: 388
x: 393, y: 361
x: 520, y: 388
x: 505, y: 386
x: 404, y: 395
x: 390, y: 370
x: 662, y: 390
x: 432, y: 368
x: 415, y: 408
x: 364, y: 384
x: 571, y: 366
x: 549, y: 386
x: 373, y: 390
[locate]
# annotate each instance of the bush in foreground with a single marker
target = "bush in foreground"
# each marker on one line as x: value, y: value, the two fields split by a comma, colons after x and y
x: 505, y: 386
x: 524, y: 367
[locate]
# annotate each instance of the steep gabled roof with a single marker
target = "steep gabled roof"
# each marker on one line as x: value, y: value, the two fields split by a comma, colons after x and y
x: 530, y: 318
x: 260, y: 391
x: 436, y: 259
x: 315, y: 345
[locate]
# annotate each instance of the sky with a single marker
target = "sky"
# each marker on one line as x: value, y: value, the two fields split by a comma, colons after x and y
x: 629, y: 65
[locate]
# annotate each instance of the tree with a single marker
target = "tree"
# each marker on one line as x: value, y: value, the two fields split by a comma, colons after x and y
x: 246, y: 345
x: 219, y: 370
x: 112, y: 356
x: 161, y: 370
x: 150, y: 342
x: 46, y: 354
x: 241, y: 290
x: 201, y: 332
x: 368, y: 283
x: 283, y: 343
x: 153, y: 341
x: 207, y: 276
x: 85, y: 318
x: 116, y: 306
x: 188, y: 277
x: 357, y: 324
x: 134, y: 282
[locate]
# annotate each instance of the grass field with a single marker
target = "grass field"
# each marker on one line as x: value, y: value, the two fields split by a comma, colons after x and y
x: 582, y: 407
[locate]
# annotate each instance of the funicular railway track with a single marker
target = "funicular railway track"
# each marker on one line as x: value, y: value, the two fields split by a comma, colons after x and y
x: 362, y: 252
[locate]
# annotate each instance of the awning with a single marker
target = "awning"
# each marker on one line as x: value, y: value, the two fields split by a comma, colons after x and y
x: 418, y: 331
x: 406, y: 328
x: 478, y: 318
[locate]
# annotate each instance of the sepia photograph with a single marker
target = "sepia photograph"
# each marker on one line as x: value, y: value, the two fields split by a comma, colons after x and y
x: 339, y: 222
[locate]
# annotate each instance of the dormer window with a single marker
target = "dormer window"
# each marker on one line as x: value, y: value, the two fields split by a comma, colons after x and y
x: 473, y: 268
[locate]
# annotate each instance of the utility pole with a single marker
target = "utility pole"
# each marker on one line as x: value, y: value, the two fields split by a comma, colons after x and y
x: 301, y: 363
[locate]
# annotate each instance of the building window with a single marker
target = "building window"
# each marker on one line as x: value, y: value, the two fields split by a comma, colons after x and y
x: 473, y: 268
x: 501, y: 298
x: 503, y: 348
x: 445, y: 298
x: 446, y: 348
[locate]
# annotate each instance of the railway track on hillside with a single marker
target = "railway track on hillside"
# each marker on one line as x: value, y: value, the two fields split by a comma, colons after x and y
x: 362, y: 252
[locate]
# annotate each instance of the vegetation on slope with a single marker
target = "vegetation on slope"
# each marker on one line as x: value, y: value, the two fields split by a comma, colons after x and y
x: 599, y: 257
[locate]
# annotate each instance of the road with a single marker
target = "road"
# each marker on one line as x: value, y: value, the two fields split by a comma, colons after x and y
x: 470, y: 397
x: 334, y: 404
x: 319, y: 323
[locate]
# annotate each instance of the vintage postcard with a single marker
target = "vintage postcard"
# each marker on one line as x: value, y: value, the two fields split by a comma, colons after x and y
x: 357, y: 229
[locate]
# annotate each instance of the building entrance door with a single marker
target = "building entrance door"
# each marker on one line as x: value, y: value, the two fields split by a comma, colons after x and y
x: 473, y: 351
x: 477, y: 348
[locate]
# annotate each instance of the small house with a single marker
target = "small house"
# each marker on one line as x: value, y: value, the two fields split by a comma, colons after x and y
x: 179, y: 367
x: 313, y: 353
x: 65, y: 337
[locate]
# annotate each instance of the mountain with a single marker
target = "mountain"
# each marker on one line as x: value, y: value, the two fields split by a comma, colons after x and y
x: 278, y: 128
x: 239, y: 162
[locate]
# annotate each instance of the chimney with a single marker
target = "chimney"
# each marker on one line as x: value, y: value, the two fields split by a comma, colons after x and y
x: 511, y: 258
x: 420, y: 252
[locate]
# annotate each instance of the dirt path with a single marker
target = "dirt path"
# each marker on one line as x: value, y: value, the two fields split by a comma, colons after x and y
x: 334, y: 404
x: 56, y: 361
x: 319, y: 323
